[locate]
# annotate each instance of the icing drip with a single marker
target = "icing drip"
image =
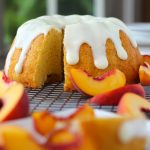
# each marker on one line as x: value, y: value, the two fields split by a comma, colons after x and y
x: 133, y: 129
x: 95, y: 33
x: 78, y: 30
x: 29, y: 30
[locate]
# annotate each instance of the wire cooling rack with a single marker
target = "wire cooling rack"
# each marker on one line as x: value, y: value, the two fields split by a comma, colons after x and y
x: 53, y: 98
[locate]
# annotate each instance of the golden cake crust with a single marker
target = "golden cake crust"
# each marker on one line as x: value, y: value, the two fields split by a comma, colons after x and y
x: 43, y: 61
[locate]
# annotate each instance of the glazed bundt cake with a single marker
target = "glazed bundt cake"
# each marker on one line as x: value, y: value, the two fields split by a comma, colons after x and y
x: 93, y: 44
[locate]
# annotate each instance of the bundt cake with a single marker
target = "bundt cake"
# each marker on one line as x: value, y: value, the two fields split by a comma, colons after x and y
x: 93, y: 44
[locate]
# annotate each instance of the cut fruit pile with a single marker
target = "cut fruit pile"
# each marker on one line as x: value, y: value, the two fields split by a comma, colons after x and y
x: 82, y: 129
x: 78, y: 131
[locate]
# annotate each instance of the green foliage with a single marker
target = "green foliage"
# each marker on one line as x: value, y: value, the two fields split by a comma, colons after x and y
x: 82, y: 7
x: 19, y: 11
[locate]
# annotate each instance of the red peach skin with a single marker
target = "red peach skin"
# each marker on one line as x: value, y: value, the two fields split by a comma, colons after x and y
x: 132, y: 105
x: 92, y: 86
x: 113, y: 97
x: 5, y: 83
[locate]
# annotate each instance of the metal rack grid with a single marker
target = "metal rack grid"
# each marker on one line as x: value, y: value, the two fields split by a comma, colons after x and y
x: 52, y: 98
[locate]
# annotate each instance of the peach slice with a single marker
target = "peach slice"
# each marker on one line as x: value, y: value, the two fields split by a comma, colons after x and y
x: 113, y: 97
x: 144, y: 74
x: 133, y: 105
x: 83, y: 113
x: 14, y: 103
x: 16, y: 138
x: 93, y: 86
x: 44, y: 122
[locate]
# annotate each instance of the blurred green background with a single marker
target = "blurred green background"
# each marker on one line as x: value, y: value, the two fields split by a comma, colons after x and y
x: 19, y: 11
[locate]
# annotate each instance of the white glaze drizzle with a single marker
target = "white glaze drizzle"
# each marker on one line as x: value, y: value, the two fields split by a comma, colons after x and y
x: 31, y: 29
x: 95, y: 33
x: 133, y: 129
x: 25, y: 35
x: 78, y: 30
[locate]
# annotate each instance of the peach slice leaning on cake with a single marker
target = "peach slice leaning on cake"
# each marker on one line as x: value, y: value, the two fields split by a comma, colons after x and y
x: 14, y: 101
x: 89, y: 85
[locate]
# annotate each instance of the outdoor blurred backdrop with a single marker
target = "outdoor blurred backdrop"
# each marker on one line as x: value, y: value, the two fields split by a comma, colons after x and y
x: 15, y: 12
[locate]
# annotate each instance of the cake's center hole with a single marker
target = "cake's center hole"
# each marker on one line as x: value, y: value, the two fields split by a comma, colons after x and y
x: 1, y: 104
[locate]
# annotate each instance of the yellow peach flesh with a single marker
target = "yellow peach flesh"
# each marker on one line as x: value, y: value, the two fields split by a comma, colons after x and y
x: 91, y: 86
x: 144, y: 75
x: 132, y: 105
x: 16, y: 138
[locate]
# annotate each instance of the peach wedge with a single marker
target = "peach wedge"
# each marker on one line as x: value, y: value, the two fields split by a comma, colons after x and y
x: 86, y: 84
x: 133, y: 105
x: 113, y: 97
x: 48, y: 125
x: 14, y: 103
x: 83, y: 113
x: 144, y: 74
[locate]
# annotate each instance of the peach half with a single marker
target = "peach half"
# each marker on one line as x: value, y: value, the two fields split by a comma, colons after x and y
x: 85, y: 83
x: 133, y: 105
x: 14, y: 103
x: 144, y: 74
x: 113, y: 97
x: 16, y: 138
